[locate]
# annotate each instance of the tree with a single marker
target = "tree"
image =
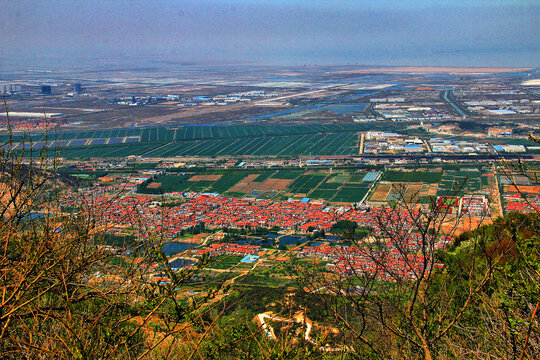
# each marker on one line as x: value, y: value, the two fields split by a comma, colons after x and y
x: 390, y: 291
x: 505, y: 311
x: 65, y: 292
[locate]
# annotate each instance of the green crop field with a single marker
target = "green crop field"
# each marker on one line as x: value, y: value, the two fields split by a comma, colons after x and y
x: 484, y: 181
x: 455, y: 183
x: 183, y: 133
x: 323, y: 194
x: 226, y: 182
x: 116, y: 150
x: 225, y: 261
x: 329, y: 186
x: 306, y: 183
x: 357, y: 177
x: 287, y: 174
x: 412, y: 176
x: 233, y: 194
x: 255, y: 140
x: 168, y: 183
x: 350, y: 193
x: 181, y: 183
x: 265, y: 175
x: 338, y: 178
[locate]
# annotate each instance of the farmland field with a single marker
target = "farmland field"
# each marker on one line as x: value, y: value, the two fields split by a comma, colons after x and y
x: 265, y: 175
x: 412, y: 176
x: 115, y: 150
x: 226, y: 182
x: 357, y: 177
x: 381, y: 192
x: 180, y: 133
x: 338, y: 178
x: 181, y: 183
x: 232, y: 140
x: 305, y: 183
x: 287, y: 174
x: 351, y: 193
x: 329, y: 186
x: 459, y: 182
x: 345, y: 186
x: 323, y: 194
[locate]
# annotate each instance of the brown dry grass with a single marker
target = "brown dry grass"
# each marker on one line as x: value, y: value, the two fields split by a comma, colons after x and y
x: 465, y: 224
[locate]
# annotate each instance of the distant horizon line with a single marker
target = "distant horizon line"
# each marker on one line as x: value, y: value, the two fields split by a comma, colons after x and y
x: 350, y: 67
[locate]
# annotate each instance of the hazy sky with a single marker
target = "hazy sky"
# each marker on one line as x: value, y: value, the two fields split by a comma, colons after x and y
x: 398, y: 32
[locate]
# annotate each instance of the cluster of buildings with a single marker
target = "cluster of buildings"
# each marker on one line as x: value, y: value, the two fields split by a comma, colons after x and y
x: 121, y: 212
x: 440, y: 145
x: 510, y: 148
x: 503, y: 107
x: 392, y: 108
x: 401, y: 256
x: 526, y: 203
x: 139, y: 100
x: 474, y: 205
x: 225, y: 99
x: 377, y: 142
x: 395, y: 260
x: 10, y: 88
x: 23, y: 121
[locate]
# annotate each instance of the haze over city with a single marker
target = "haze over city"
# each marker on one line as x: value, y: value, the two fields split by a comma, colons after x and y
x: 442, y: 33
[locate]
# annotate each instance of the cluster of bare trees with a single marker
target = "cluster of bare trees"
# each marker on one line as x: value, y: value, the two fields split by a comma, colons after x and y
x: 64, y: 293
x: 474, y: 297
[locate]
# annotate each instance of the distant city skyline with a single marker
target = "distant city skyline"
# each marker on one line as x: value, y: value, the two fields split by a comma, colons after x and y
x: 429, y: 33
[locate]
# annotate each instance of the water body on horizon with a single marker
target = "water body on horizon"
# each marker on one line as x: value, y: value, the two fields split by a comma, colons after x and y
x: 309, y: 107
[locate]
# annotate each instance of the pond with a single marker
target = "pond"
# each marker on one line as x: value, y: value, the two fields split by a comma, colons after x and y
x: 346, y: 109
x: 174, y: 247
x: 292, y: 240
x: 180, y: 263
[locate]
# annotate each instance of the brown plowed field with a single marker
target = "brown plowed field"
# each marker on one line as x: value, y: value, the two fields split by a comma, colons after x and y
x: 381, y: 192
x: 429, y: 190
x: 198, y: 178
x: 246, y: 185
x: 275, y: 184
